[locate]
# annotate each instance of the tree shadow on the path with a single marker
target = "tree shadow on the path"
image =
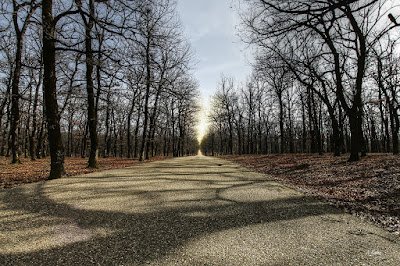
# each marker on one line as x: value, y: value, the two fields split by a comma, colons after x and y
x: 140, y: 237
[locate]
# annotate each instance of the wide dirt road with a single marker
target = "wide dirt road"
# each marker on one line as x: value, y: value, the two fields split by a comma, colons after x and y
x: 186, y: 211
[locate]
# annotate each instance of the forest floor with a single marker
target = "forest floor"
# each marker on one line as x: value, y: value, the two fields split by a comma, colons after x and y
x: 369, y: 188
x: 28, y: 171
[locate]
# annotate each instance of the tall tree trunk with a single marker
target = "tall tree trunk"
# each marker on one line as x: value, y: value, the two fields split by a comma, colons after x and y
x: 385, y: 123
x: 5, y: 135
x: 15, y: 116
x: 136, y: 140
x: 92, y: 114
x: 128, y: 130
x: 355, y: 112
x: 395, y: 133
x: 343, y: 134
x: 304, y: 127
x: 165, y: 145
x: 50, y: 95
x: 129, y: 125
x: 28, y: 121
x: 5, y: 103
x: 290, y: 130
x: 70, y: 133
x: 230, y: 146
x: 121, y: 141
x: 84, y: 141
x: 281, y: 125
x: 115, y: 139
x: 40, y: 138
x: 239, y: 151
x: 107, y: 134
x: 317, y: 128
x: 335, y: 132
x: 146, y: 103
x: 32, y: 137
x: 361, y: 138
x: 152, y: 126
x: 173, y: 128
x: 311, y: 123
x: 15, y: 96
x: 394, y: 124
x: 355, y: 142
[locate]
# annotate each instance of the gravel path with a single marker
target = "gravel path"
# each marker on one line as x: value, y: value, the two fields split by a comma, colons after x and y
x: 185, y: 211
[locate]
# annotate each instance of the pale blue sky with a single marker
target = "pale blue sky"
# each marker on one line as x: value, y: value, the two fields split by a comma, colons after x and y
x: 210, y: 27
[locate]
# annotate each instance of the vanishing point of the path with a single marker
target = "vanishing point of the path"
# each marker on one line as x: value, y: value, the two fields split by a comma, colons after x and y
x: 186, y: 211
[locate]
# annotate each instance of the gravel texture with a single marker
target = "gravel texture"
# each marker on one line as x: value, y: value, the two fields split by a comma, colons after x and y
x: 185, y: 211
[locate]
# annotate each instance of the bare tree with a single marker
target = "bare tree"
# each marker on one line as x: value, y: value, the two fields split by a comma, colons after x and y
x: 345, y: 31
x: 50, y: 87
x: 22, y: 13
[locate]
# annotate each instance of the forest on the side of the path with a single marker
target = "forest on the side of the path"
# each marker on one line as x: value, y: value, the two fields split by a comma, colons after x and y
x: 95, y: 79
x: 326, y: 78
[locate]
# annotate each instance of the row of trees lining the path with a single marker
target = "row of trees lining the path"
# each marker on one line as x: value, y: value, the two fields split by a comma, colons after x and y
x: 326, y: 77
x: 90, y: 77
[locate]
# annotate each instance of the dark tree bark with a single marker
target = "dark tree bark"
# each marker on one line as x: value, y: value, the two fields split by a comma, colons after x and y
x: 355, y: 111
x: 394, y: 119
x: 303, y: 123
x: 128, y: 131
x: 281, y: 123
x: 147, y: 96
x: 115, y: 149
x: 32, y: 137
x: 354, y: 141
x: 238, y: 125
x: 5, y: 136
x: 84, y: 141
x: 50, y: 96
x: 5, y: 105
x: 395, y: 131
x: 70, y: 139
x: 385, y: 122
x: 121, y: 141
x: 40, y: 139
x: 107, y: 135
x: 290, y: 127
x: 92, y: 114
x: 152, y: 125
x: 136, y: 139
x: 389, y: 94
x: 173, y: 120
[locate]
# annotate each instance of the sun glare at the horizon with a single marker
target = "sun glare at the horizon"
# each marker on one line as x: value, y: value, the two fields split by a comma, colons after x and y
x: 202, y: 120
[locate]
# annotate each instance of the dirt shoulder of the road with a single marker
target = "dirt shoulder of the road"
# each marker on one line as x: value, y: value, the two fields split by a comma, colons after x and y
x: 369, y: 188
x: 12, y: 175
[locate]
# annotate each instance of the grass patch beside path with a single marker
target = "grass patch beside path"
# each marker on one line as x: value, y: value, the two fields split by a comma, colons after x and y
x: 369, y: 188
x: 28, y: 171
